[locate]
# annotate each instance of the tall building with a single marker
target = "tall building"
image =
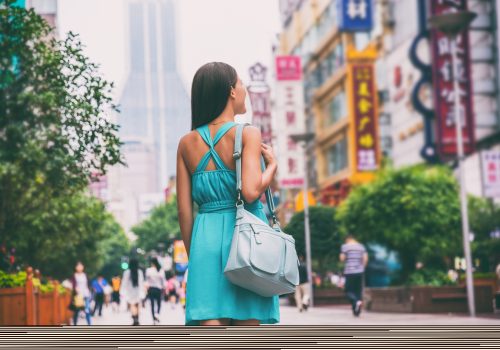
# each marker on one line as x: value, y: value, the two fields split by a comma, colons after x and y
x: 311, y: 30
x: 155, y: 110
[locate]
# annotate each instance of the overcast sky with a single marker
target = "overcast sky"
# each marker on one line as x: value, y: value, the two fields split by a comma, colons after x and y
x: 239, y: 32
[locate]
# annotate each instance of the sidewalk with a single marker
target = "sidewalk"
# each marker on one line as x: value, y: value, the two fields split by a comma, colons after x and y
x: 323, y: 315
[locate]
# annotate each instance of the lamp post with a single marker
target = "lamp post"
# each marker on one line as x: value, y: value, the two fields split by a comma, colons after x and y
x: 305, y: 139
x: 452, y: 24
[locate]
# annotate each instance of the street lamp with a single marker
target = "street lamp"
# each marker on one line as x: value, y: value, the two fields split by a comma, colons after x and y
x: 452, y: 24
x: 305, y: 139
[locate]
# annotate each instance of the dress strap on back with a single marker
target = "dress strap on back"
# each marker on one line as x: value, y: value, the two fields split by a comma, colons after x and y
x: 204, y: 132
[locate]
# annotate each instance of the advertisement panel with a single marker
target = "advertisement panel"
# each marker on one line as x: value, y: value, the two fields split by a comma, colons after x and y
x: 442, y: 72
x: 290, y: 119
x: 355, y: 15
x: 491, y: 173
x: 260, y: 98
x: 364, y: 108
x: 180, y: 257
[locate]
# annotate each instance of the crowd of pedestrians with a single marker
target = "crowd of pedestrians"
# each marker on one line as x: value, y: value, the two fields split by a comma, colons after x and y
x: 133, y: 289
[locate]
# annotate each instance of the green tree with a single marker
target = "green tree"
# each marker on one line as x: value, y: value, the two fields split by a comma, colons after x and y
x: 414, y: 211
x: 112, y: 249
x: 484, y: 217
x: 160, y: 226
x: 69, y: 229
x: 54, y: 125
x: 325, y: 237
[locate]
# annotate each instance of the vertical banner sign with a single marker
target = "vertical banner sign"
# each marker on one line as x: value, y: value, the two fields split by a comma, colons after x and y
x: 260, y: 98
x: 442, y: 76
x: 180, y: 256
x: 290, y: 119
x: 355, y: 15
x: 491, y: 173
x: 365, y: 104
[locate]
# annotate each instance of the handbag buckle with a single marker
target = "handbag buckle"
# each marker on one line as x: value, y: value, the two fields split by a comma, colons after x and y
x: 236, y: 155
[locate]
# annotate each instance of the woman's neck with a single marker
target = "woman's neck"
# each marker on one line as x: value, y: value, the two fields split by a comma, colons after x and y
x: 226, y: 116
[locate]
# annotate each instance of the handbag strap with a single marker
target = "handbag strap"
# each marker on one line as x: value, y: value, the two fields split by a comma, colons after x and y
x: 237, y: 156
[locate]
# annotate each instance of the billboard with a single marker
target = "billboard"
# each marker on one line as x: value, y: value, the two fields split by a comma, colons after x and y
x: 290, y: 119
x: 490, y: 161
x: 260, y: 98
x: 364, y: 110
x: 442, y: 78
x: 355, y: 15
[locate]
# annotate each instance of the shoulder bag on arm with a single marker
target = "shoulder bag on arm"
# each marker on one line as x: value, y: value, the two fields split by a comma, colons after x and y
x: 262, y: 258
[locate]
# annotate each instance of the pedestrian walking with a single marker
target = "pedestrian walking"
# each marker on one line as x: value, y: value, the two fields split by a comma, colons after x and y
x: 173, y: 290
x: 98, y: 286
x: 302, y: 290
x: 155, y: 279
x: 115, y: 295
x: 132, y: 288
x: 206, y: 175
x: 80, y: 296
x: 355, y: 259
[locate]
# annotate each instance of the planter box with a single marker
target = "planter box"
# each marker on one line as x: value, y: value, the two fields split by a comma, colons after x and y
x: 427, y: 299
x: 325, y: 296
x: 24, y: 306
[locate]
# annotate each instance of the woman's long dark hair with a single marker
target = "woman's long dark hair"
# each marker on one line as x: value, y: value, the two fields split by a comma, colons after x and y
x: 210, y: 91
x: 134, y: 271
x: 156, y: 263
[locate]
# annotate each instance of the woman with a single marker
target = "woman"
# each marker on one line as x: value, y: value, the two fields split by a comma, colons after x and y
x: 155, y: 278
x: 205, y: 174
x: 115, y: 296
x: 132, y: 288
x: 81, y: 290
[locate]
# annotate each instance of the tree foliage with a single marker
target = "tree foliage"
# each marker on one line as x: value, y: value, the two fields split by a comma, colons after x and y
x: 161, y: 225
x: 484, y: 219
x: 414, y: 211
x: 325, y: 237
x: 55, y: 133
x: 54, y: 125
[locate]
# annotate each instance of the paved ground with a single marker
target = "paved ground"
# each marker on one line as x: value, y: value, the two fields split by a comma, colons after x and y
x: 330, y: 315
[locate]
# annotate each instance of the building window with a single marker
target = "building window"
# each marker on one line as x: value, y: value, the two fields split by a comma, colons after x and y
x: 336, y: 109
x: 337, y: 157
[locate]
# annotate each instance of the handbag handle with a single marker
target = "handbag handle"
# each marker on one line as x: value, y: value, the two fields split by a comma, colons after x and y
x: 237, y: 156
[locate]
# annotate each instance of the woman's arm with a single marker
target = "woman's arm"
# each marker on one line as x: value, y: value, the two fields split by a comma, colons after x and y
x: 254, y: 181
x: 184, y: 199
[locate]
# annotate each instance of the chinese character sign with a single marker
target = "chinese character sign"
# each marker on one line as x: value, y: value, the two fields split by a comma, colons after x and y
x: 290, y: 120
x: 491, y: 173
x: 355, y: 15
x: 365, y: 111
x: 260, y: 98
x: 444, y: 94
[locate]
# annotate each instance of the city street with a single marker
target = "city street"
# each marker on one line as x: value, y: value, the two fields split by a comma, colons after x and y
x: 324, y: 315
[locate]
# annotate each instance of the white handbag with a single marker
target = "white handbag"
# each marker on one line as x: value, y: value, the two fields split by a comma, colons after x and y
x: 262, y: 258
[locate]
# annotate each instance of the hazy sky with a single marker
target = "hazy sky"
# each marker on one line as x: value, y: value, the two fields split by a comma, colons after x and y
x: 239, y: 32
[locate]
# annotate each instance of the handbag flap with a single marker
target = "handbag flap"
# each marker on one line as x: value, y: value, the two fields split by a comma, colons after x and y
x: 291, y: 263
x: 266, y: 250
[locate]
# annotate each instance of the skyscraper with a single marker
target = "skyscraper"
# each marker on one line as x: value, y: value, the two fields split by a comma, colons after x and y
x: 154, y: 105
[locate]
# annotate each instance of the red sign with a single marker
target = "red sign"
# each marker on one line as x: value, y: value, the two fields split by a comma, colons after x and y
x: 288, y: 68
x: 442, y: 76
x: 365, y: 104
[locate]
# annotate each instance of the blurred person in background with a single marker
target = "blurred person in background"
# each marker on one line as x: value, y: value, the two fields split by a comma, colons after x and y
x: 98, y: 285
x: 132, y: 288
x: 80, y: 298
x: 355, y: 258
x: 155, y: 279
x: 302, y: 290
x: 115, y: 295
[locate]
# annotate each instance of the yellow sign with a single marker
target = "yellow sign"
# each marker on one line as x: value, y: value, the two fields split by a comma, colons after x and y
x: 299, y: 200
x: 180, y: 253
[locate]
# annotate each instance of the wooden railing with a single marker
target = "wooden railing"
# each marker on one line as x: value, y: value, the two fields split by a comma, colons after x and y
x: 27, y: 306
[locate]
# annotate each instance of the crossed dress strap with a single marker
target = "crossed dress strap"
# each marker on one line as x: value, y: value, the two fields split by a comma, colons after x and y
x: 204, y: 132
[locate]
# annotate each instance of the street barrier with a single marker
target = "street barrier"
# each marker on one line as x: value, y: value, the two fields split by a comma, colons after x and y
x: 28, y: 306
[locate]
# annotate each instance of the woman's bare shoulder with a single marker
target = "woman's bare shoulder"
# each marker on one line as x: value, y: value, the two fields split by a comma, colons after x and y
x: 187, y: 139
x: 251, y: 134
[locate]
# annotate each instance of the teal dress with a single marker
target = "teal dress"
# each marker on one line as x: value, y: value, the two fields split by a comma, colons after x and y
x: 209, y: 294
